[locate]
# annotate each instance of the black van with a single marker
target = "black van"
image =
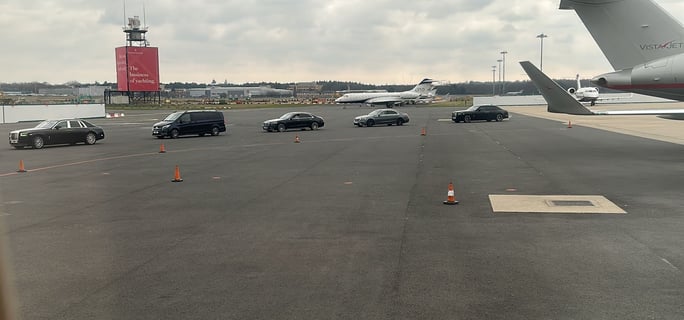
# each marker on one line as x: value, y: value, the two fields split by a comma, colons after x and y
x: 199, y: 122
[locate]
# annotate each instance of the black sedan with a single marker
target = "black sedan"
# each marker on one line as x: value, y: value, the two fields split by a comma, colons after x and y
x: 481, y: 112
x: 67, y: 131
x: 382, y: 116
x: 294, y: 120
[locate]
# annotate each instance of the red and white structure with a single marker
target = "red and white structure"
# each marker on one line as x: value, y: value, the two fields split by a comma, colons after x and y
x: 137, y: 66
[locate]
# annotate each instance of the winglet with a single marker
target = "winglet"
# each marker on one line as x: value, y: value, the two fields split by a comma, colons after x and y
x: 558, y: 100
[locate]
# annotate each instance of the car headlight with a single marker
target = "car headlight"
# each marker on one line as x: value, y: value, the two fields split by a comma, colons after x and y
x: 23, y: 134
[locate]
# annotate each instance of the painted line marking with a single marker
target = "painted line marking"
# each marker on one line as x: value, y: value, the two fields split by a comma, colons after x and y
x: 670, y: 264
x: 202, y: 149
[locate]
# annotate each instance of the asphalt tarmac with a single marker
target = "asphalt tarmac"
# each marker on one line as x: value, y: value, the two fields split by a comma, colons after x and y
x: 348, y: 224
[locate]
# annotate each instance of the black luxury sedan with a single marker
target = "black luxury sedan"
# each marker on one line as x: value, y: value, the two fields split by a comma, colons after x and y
x: 382, y: 116
x: 479, y: 112
x: 294, y: 120
x: 66, y: 131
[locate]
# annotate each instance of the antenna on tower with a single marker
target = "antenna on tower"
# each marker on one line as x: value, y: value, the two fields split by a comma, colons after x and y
x: 144, y: 16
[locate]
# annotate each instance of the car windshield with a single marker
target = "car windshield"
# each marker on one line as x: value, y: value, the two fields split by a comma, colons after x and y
x: 473, y: 108
x: 375, y: 113
x: 47, y: 124
x: 173, y: 116
x: 287, y: 116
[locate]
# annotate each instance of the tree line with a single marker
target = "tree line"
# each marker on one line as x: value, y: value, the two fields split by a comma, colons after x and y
x: 462, y: 88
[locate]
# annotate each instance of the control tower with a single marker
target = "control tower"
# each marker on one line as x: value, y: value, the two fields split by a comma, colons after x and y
x: 137, y: 67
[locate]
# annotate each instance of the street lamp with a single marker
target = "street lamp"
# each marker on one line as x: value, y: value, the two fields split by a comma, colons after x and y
x: 541, y: 37
x: 493, y: 80
x: 503, y: 85
x: 499, y: 61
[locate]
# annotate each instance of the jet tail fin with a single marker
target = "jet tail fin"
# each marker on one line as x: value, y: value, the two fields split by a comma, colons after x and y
x: 558, y: 100
x: 424, y: 87
x: 629, y: 32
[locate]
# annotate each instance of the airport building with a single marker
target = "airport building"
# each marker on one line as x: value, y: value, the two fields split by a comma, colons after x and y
x: 238, y: 92
x: 307, y: 90
x: 90, y: 91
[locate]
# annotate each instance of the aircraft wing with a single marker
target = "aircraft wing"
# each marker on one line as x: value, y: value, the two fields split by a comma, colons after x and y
x: 383, y: 100
x: 560, y: 101
x: 614, y: 98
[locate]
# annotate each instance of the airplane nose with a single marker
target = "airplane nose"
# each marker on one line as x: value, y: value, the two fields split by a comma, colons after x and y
x: 622, y: 78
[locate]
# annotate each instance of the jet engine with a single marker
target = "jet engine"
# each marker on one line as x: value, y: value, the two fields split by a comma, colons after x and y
x: 572, y: 90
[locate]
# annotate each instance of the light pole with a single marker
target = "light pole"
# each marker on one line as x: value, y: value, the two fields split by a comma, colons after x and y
x: 541, y: 37
x: 503, y: 85
x: 493, y: 80
x: 499, y: 61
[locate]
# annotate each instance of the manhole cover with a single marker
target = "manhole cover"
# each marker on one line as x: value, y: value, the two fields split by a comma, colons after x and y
x: 570, y: 203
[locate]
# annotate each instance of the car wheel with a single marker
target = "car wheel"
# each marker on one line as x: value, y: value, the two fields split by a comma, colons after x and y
x: 38, y: 142
x: 400, y: 122
x: 499, y: 117
x: 281, y: 128
x: 174, y: 133
x: 90, y: 138
x: 370, y: 123
x: 466, y: 119
x: 215, y: 131
x: 314, y: 125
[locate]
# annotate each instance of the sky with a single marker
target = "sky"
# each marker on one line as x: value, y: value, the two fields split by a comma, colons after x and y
x: 376, y: 42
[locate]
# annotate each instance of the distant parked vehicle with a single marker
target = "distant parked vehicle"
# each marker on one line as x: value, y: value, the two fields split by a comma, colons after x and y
x: 382, y: 116
x: 199, y: 122
x: 480, y: 112
x: 50, y: 132
x: 294, y: 120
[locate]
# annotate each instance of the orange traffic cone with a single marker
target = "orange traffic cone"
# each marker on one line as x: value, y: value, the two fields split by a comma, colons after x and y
x: 451, y: 199
x: 569, y: 124
x: 21, y: 166
x: 423, y: 132
x: 296, y: 139
x: 162, y: 149
x: 176, y: 175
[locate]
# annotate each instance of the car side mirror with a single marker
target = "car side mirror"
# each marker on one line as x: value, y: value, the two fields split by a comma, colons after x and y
x: 58, y: 127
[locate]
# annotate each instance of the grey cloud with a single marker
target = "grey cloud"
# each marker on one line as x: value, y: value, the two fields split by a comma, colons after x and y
x: 281, y: 40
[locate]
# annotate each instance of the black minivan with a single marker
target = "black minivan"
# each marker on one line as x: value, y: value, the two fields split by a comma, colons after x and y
x: 199, y: 122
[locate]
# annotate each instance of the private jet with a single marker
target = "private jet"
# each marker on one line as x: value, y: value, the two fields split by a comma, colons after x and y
x: 643, y: 43
x: 584, y: 94
x: 424, y: 90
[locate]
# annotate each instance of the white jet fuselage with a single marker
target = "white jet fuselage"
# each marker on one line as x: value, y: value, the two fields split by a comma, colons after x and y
x: 363, y: 97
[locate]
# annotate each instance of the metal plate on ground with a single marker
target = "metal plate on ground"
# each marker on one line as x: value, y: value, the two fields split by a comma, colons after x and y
x: 553, y: 204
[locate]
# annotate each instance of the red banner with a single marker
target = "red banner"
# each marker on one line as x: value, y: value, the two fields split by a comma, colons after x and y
x: 137, y: 69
